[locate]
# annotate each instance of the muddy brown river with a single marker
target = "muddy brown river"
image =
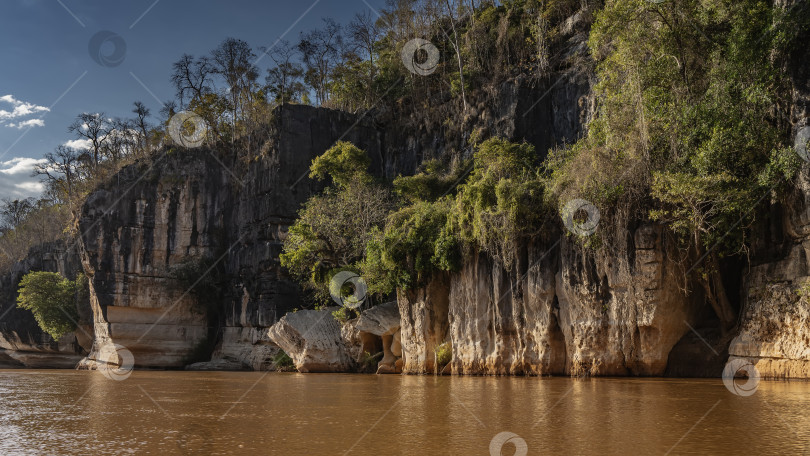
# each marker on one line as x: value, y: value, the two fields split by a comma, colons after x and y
x: 71, y: 412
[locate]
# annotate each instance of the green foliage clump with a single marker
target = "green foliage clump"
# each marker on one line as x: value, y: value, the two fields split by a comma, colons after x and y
x: 333, y: 228
x: 803, y: 290
x: 282, y: 361
x: 343, y: 314
x: 491, y: 204
x: 444, y: 354
x: 498, y: 205
x: 688, y: 129
x: 344, y: 163
x: 435, y: 181
x: 369, y: 361
x: 405, y: 254
x: 502, y: 201
x: 52, y: 299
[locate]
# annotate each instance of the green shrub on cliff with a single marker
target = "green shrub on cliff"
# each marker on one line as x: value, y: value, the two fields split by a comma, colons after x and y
x: 444, y: 354
x: 442, y: 212
x: 52, y: 299
x: 501, y: 204
x: 344, y: 164
x: 333, y: 227
x: 496, y: 207
x: 405, y: 255
x: 690, y: 128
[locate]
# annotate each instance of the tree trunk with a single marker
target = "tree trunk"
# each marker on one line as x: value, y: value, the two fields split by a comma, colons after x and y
x: 716, y: 294
x: 457, y: 48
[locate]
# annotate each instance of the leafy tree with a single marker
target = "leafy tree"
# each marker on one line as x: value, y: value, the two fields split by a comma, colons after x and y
x: 408, y: 251
x: 94, y: 128
x: 320, y: 51
x: 499, y: 205
x: 61, y: 171
x: 283, y: 81
x: 233, y: 61
x: 344, y: 163
x: 141, y: 124
x: 333, y: 228
x: 14, y: 212
x: 502, y: 202
x: 52, y: 299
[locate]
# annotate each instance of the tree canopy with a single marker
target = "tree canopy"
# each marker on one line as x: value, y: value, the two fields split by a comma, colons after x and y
x: 52, y: 299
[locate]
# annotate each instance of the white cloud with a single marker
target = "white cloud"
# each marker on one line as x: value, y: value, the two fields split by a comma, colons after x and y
x: 16, y: 180
x: 19, y: 109
x: 78, y: 143
x: 28, y: 123
x: 20, y: 165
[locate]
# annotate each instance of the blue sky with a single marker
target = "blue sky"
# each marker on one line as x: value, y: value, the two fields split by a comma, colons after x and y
x: 48, y: 75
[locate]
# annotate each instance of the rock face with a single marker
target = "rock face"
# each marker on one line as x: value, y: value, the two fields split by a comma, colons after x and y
x: 622, y: 314
x: 133, y: 235
x: 559, y: 310
x: 22, y: 343
x: 182, y: 256
x: 221, y: 216
x: 774, y: 333
x: 379, y: 329
x: 317, y: 342
x: 312, y: 338
x: 505, y: 322
x: 182, y: 253
x: 424, y: 324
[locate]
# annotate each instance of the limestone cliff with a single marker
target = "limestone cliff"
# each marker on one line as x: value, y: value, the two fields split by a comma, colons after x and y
x: 182, y: 252
x: 182, y: 256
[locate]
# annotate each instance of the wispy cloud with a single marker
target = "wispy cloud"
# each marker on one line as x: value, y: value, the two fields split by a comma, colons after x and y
x: 12, y: 109
x: 28, y: 123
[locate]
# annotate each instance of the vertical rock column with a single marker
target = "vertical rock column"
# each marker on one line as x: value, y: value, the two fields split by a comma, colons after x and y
x: 425, y: 323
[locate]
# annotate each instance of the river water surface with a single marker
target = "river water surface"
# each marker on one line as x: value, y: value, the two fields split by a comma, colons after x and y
x: 73, y: 412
